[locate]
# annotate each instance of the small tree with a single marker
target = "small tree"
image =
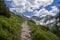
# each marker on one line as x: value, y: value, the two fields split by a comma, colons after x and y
x: 3, y: 9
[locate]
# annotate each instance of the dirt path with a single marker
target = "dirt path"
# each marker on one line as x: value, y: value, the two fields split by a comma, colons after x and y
x: 25, y: 34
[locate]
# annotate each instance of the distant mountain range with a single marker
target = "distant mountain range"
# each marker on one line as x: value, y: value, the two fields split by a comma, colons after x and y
x: 43, y: 20
x: 47, y: 21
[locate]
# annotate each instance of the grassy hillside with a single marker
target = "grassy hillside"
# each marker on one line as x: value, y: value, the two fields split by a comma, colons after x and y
x: 10, y: 28
x: 37, y: 33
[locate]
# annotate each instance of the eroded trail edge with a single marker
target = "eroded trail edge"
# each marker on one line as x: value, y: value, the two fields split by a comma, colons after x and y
x: 25, y: 33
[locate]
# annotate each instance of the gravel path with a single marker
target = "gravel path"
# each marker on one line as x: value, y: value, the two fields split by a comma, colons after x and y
x: 25, y: 34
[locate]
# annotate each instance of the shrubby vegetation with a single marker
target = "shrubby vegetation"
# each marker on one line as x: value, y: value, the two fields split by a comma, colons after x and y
x: 10, y: 28
x: 37, y: 33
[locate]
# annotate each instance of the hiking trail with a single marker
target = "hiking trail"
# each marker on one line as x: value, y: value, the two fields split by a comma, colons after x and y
x: 25, y: 33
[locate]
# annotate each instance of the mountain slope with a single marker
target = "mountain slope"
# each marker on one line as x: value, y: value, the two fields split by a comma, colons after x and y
x: 10, y: 28
x: 40, y: 33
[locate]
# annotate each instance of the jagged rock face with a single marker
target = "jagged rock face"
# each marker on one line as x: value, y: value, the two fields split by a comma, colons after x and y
x: 47, y: 21
x: 44, y: 19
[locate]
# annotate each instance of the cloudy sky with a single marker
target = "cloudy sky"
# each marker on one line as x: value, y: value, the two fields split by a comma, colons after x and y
x: 33, y: 7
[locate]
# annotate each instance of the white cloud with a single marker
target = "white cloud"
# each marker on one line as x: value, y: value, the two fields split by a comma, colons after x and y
x: 43, y: 11
x: 29, y: 5
x: 54, y: 9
